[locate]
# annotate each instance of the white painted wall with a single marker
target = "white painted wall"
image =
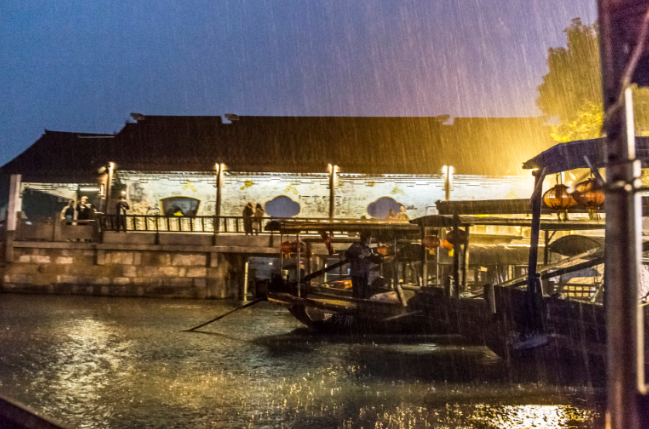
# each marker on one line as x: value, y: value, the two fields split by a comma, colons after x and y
x: 353, y: 192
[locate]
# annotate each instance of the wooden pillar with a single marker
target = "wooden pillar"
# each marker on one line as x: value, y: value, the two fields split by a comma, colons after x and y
x: 109, y: 186
x: 245, y: 280
x: 217, y: 205
x: 332, y: 191
x: 448, y: 182
x: 14, y: 206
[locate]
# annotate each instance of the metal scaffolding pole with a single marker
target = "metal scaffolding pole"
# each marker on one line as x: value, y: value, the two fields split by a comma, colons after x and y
x: 625, y: 360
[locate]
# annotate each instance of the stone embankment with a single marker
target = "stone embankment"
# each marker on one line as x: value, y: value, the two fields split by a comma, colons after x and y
x: 116, y: 269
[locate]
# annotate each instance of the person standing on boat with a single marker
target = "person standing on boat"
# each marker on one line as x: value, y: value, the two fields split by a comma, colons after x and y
x: 361, y: 259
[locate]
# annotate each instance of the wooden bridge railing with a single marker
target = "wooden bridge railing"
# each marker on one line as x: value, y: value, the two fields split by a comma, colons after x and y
x: 197, y: 224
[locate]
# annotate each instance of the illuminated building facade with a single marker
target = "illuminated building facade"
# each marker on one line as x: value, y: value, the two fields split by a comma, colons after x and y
x: 207, y: 166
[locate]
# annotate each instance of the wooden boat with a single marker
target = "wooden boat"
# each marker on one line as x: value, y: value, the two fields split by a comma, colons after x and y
x: 326, y: 307
x: 531, y: 316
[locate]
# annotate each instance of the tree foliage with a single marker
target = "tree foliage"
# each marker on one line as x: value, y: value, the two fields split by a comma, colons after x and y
x: 571, y: 92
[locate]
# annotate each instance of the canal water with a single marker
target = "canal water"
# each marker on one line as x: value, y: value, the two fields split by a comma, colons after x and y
x: 94, y: 362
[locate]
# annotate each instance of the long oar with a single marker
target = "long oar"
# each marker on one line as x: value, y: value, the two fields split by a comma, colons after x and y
x: 229, y: 312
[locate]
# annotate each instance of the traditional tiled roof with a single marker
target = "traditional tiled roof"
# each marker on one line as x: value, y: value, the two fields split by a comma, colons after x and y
x: 370, y: 145
x: 61, y: 156
x: 373, y: 145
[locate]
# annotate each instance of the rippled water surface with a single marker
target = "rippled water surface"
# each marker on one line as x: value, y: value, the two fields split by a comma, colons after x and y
x: 124, y: 363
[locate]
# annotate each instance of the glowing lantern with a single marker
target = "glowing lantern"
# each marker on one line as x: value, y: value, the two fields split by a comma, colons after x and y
x: 382, y: 250
x: 431, y: 242
x: 591, y: 195
x: 289, y: 247
x: 558, y: 198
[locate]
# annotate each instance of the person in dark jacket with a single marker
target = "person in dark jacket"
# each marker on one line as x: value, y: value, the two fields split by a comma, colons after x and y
x: 259, y: 219
x: 121, y: 208
x: 361, y: 260
x: 248, y: 211
x: 83, y: 211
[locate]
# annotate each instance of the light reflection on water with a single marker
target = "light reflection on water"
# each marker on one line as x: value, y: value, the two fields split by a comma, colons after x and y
x: 119, y: 363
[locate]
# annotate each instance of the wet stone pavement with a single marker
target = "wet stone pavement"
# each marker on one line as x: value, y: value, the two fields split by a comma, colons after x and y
x: 94, y: 362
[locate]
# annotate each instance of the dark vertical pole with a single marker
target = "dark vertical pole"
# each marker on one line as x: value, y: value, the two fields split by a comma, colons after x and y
x: 465, y: 258
x: 307, y: 262
x: 109, y: 186
x: 424, y: 259
x: 281, y: 257
x: 437, y: 282
x: 217, y: 207
x: 12, y: 223
x: 533, y: 288
x: 546, y: 248
x: 298, y: 274
x: 625, y: 360
x: 456, y: 256
x: 395, y: 266
x: 332, y: 191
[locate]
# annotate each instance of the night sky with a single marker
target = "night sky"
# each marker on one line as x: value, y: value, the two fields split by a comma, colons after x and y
x: 84, y: 65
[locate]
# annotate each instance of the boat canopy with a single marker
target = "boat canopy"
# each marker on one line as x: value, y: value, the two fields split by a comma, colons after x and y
x: 549, y: 224
x: 571, y: 245
x: 572, y: 155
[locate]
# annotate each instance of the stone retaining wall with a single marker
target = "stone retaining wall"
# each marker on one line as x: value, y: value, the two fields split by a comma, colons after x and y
x: 143, y: 271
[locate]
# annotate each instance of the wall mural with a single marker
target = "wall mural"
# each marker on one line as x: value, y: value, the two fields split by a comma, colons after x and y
x: 180, y: 206
x: 282, y: 206
x: 136, y: 192
x: 308, y: 195
x: 380, y: 209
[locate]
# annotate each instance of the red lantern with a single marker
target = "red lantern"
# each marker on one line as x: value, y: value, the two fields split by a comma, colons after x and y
x: 558, y: 198
x: 460, y: 239
x: 590, y: 195
x: 431, y: 242
x: 288, y: 247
